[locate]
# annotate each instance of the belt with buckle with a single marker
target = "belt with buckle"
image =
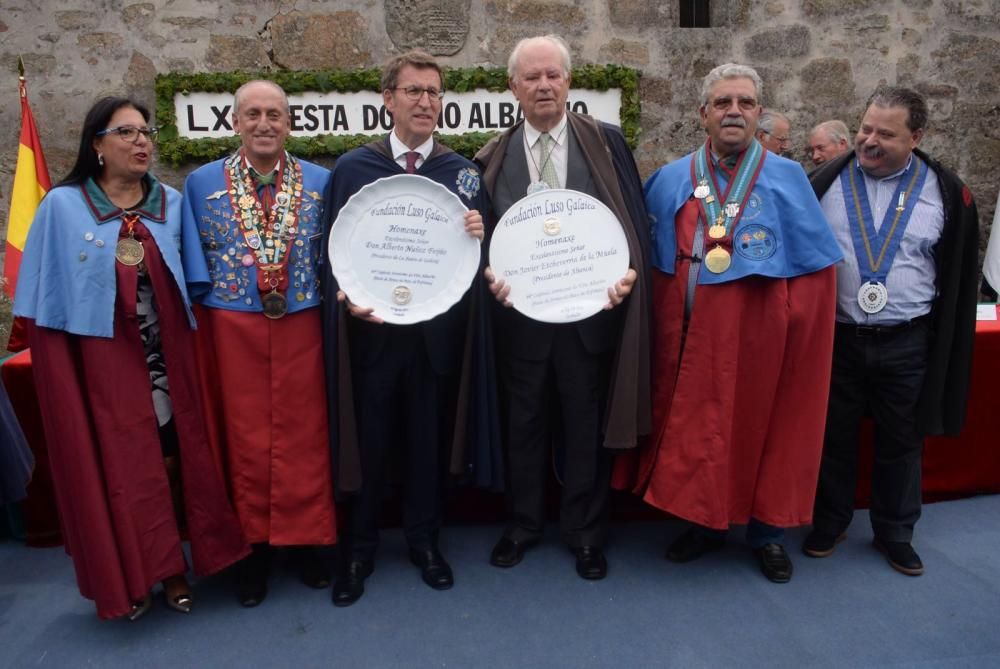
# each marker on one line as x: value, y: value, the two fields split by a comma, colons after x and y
x: 876, y: 330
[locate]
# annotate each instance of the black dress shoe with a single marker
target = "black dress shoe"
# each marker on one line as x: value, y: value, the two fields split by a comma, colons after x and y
x: 433, y: 568
x: 591, y: 563
x: 820, y: 544
x: 251, y: 576
x: 774, y: 562
x: 350, y: 584
x: 692, y: 544
x: 507, y: 552
x: 901, y: 556
x: 313, y: 569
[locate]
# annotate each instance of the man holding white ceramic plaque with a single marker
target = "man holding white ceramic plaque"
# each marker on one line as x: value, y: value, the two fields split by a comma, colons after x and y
x: 406, y: 387
x: 595, y: 369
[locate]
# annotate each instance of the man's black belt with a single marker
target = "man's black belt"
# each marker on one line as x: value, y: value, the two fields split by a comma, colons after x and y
x: 876, y: 330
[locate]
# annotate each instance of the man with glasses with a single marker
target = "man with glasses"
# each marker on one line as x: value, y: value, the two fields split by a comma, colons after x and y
x: 774, y: 132
x: 595, y: 370
x: 743, y: 296
x: 251, y: 249
x: 403, y: 378
x: 828, y: 140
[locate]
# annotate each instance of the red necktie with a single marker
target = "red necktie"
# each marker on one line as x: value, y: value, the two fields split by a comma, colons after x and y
x: 411, y: 161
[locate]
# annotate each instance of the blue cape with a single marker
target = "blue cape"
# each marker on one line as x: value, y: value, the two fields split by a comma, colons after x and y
x: 214, y: 245
x: 782, y: 232
x: 67, y: 277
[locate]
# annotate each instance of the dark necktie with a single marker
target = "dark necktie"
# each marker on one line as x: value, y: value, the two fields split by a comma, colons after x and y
x: 411, y: 161
x: 263, y: 179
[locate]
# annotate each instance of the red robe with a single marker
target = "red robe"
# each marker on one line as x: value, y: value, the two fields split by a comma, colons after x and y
x: 738, y: 417
x: 265, y: 400
x: 107, y: 465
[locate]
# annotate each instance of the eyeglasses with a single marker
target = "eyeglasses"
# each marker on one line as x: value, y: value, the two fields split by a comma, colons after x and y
x: 781, y: 140
x: 416, y: 92
x: 725, y: 102
x: 130, y: 134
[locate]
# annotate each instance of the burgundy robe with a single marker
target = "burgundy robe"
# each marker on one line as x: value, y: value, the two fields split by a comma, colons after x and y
x: 738, y: 417
x: 111, y: 485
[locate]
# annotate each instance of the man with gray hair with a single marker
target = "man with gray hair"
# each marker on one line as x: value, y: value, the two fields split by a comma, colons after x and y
x: 251, y: 249
x: 595, y: 370
x: 828, y: 140
x: 774, y: 132
x: 743, y: 292
x: 906, y: 311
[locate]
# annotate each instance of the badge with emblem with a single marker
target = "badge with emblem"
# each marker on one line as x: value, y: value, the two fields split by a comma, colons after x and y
x: 537, y: 187
x: 732, y: 209
x: 872, y: 297
x: 702, y: 191
x: 401, y: 295
x: 468, y: 182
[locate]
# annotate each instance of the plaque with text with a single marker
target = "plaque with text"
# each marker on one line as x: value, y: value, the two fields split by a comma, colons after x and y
x: 399, y: 246
x: 560, y: 251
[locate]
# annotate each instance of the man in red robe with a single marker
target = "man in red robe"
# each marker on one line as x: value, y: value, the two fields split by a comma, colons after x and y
x: 251, y: 249
x: 743, y: 304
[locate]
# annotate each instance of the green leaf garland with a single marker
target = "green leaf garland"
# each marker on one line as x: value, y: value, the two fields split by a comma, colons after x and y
x: 178, y: 150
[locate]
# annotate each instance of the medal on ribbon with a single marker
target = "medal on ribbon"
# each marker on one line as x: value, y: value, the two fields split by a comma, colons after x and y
x: 128, y: 250
x: 269, y: 232
x: 875, y: 251
x: 721, y: 219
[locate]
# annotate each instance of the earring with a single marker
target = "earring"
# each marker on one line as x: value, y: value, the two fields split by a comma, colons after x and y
x: 100, y: 159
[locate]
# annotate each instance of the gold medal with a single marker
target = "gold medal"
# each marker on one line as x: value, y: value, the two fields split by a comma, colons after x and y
x: 717, y: 231
x: 718, y: 260
x: 275, y: 305
x: 129, y: 252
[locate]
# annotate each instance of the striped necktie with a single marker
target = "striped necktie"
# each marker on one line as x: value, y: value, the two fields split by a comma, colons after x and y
x: 548, y: 167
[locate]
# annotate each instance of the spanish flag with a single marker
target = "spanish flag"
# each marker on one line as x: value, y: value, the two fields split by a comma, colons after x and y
x: 31, y: 182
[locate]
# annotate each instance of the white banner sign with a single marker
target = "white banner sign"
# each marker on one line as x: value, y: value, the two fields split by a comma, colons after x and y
x: 201, y: 115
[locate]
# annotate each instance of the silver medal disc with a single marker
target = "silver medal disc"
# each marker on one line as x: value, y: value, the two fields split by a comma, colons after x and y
x: 701, y: 192
x: 536, y: 187
x: 872, y: 297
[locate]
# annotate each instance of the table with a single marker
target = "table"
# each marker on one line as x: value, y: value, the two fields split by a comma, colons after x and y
x: 969, y: 463
x: 953, y: 467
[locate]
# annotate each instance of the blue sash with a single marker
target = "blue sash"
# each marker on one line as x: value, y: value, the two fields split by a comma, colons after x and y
x: 875, y: 251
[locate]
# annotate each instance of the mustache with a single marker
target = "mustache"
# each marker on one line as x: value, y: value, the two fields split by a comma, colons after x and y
x: 872, y: 152
x: 738, y: 122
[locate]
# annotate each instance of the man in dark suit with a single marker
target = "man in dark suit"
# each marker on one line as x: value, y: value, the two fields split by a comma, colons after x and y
x: 595, y: 370
x: 403, y: 379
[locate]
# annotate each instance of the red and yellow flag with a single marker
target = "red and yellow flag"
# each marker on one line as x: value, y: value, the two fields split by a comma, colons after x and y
x: 31, y: 182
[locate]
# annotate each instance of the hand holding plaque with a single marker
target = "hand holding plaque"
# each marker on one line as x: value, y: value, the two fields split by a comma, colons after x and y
x: 400, y: 247
x: 560, y: 252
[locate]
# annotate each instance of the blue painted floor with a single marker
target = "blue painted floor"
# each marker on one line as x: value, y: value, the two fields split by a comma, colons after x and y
x: 848, y: 610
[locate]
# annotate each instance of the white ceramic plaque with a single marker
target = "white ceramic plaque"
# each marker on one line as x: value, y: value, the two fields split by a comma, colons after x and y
x: 399, y: 246
x: 559, y: 250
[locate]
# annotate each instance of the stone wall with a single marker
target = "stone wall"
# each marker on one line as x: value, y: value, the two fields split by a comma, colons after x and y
x: 819, y: 59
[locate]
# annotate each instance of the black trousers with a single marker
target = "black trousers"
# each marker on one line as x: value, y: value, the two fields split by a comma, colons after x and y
x: 880, y: 370
x: 398, y: 413
x: 576, y: 381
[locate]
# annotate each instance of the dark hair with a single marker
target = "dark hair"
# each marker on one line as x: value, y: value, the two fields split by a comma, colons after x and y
x: 86, y: 165
x: 417, y: 58
x: 909, y: 99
